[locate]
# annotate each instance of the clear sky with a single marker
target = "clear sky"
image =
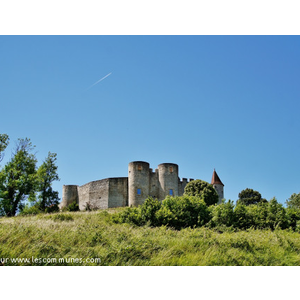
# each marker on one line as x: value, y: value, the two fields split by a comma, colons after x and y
x: 202, y: 102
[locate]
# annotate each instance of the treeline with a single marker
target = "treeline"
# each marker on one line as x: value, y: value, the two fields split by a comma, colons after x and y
x: 251, y: 211
x: 25, y: 187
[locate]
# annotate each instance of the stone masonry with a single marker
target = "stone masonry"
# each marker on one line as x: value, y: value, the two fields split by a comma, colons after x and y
x: 134, y: 189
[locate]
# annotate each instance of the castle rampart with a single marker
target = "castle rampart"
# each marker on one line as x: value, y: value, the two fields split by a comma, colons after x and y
x: 132, y: 190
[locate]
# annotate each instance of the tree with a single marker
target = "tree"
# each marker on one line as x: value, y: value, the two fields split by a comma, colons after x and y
x: 293, y: 201
x: 46, y: 174
x: 18, y: 179
x: 4, y: 141
x: 249, y: 196
x: 202, y: 189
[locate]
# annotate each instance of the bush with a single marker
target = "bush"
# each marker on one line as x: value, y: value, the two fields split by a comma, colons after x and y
x: 175, y: 212
x: 90, y: 207
x: 71, y: 207
x: 191, y: 211
x: 276, y: 215
x: 184, y: 211
x: 61, y: 217
x: 222, y: 214
x: 148, y: 211
x: 242, y: 218
x: 30, y: 210
x: 293, y: 217
x: 129, y: 215
x: 52, y: 208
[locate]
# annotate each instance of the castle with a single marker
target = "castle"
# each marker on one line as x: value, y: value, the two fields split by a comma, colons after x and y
x: 134, y: 189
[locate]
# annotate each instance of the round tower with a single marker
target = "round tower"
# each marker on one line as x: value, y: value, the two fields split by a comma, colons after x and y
x: 138, y: 182
x: 168, y: 180
x: 69, y: 195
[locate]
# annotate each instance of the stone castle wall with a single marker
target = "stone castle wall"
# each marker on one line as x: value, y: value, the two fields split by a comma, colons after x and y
x: 118, y: 192
x: 128, y: 191
x: 95, y: 193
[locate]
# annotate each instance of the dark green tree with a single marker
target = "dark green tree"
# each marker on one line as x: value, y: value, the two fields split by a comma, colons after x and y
x: 18, y: 179
x: 4, y: 141
x: 249, y: 196
x: 202, y: 189
x: 46, y: 175
x: 293, y: 201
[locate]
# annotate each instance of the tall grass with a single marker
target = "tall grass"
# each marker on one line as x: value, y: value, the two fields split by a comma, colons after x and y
x: 78, y: 236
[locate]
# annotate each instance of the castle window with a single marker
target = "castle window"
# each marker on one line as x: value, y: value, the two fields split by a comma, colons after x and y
x: 171, y: 169
x: 139, y: 167
x: 171, y: 192
x: 139, y: 192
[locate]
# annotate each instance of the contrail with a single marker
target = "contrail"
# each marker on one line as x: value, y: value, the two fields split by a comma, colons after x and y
x: 99, y: 80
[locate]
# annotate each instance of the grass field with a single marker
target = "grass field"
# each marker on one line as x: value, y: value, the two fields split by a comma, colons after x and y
x: 92, y: 238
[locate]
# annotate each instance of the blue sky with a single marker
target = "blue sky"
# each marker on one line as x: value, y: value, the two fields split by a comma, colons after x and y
x: 203, y: 102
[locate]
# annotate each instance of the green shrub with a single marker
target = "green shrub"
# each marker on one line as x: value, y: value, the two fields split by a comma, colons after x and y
x: 276, y: 215
x: 90, y: 207
x: 30, y: 210
x: 52, y: 208
x: 190, y: 211
x: 148, y: 211
x: 71, y: 207
x: 184, y: 211
x: 129, y: 215
x: 175, y: 212
x: 222, y: 214
x: 293, y: 216
x: 242, y: 218
x: 264, y: 215
x: 61, y: 217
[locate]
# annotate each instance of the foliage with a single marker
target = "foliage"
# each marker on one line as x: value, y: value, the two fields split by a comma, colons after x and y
x: 175, y: 212
x: 18, y: 179
x: 276, y: 216
x: 202, y: 189
x: 90, y: 207
x: 61, y: 217
x: 131, y: 215
x: 52, y: 209
x: 293, y: 218
x: 47, y: 174
x: 188, y: 211
x: 71, y: 207
x: 222, y: 214
x: 4, y: 141
x: 148, y: 211
x: 242, y: 217
x: 30, y: 210
x: 249, y: 196
x: 293, y: 201
x: 185, y: 211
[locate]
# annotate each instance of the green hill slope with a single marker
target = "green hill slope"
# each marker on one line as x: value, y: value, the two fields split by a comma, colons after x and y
x: 91, y: 238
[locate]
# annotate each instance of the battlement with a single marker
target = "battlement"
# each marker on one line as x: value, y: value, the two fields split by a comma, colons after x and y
x: 185, y: 180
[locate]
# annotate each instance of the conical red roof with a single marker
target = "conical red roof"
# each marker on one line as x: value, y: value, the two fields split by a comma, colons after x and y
x: 215, y: 179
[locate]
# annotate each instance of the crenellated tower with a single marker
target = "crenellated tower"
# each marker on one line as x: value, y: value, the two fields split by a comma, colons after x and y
x: 168, y: 180
x: 138, y: 182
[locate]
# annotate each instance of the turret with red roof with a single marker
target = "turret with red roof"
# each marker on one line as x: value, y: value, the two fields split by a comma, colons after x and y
x: 218, y: 185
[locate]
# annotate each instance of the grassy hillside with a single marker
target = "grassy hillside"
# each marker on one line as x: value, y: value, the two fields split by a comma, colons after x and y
x: 91, y: 238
